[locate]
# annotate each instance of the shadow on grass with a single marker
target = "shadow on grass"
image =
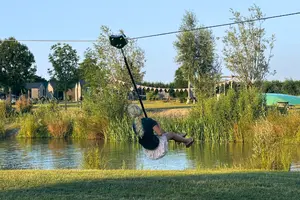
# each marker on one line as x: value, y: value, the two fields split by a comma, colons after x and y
x: 253, y: 185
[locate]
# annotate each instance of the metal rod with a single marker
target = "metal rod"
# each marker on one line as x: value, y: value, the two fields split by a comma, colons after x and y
x: 141, y: 102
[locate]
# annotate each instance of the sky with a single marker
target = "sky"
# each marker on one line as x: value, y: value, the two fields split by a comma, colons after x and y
x: 78, y: 19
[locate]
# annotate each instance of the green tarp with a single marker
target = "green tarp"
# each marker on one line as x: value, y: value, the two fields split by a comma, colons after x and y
x: 273, y: 98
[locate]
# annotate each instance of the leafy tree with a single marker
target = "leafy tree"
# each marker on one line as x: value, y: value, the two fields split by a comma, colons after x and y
x: 64, y: 60
x: 36, y: 78
x: 16, y: 65
x: 246, y: 47
x: 113, y: 60
x: 102, y: 64
x: 180, y: 81
x: 272, y: 86
x: 195, y: 54
x: 290, y: 87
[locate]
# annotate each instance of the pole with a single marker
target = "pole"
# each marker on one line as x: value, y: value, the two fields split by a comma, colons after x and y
x: 141, y: 102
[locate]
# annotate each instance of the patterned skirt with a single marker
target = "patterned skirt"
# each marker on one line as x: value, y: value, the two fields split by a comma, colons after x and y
x: 160, y: 151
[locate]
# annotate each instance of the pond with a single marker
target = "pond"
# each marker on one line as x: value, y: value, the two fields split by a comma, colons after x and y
x: 92, y: 154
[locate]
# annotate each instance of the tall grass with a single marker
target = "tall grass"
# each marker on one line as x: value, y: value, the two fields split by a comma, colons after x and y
x: 58, y: 124
x: 228, y: 118
x: 120, y: 130
x: 23, y: 105
x: 89, y: 127
x: 31, y: 126
x: 273, y: 139
x: 2, y: 129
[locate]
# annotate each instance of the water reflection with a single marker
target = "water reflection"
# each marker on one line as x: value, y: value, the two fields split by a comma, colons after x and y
x: 95, y: 154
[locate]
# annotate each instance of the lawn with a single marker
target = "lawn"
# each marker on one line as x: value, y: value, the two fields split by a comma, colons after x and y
x: 142, y: 184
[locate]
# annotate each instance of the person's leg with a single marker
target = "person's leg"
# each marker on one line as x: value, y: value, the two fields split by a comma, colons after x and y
x: 178, y: 138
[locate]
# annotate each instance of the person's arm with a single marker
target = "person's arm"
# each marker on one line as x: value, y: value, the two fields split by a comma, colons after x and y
x: 158, y: 130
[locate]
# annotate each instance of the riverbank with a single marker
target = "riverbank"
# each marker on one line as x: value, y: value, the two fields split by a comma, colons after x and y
x: 143, y: 184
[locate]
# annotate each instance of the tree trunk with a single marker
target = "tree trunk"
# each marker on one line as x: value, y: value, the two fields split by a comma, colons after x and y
x: 190, y: 94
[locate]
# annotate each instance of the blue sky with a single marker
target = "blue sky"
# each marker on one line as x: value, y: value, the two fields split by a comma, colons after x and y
x: 77, y: 19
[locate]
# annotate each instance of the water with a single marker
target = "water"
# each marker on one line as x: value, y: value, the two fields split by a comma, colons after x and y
x: 92, y: 154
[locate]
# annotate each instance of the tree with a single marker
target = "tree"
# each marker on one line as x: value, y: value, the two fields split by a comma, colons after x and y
x: 195, y: 54
x: 16, y: 65
x: 180, y: 81
x: 64, y: 60
x: 103, y: 68
x: 36, y: 78
x: 246, y: 46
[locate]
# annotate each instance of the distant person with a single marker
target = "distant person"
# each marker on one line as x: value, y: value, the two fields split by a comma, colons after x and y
x: 155, y: 145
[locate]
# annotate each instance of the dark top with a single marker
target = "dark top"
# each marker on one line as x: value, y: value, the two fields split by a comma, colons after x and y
x: 149, y: 140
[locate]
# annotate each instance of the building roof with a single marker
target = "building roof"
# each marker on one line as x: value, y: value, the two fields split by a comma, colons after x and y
x: 53, y: 84
x: 33, y: 85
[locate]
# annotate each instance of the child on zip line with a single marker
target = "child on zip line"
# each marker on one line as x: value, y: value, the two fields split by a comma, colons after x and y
x: 155, y: 145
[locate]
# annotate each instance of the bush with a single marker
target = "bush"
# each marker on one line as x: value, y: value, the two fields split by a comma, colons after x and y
x: 23, y: 105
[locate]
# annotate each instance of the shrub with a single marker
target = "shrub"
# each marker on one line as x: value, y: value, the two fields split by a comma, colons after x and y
x: 23, y: 105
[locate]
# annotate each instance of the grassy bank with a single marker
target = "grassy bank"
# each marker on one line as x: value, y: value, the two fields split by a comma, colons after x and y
x: 238, y: 116
x: 132, y: 184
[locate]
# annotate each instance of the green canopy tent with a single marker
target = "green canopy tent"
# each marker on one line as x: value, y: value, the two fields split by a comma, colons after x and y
x: 274, y: 98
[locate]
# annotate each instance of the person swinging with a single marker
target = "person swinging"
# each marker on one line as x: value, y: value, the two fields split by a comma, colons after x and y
x: 155, y: 145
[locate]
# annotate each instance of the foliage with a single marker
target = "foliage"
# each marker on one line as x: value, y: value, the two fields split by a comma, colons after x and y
x: 288, y: 86
x: 32, y: 126
x: 120, y: 129
x: 5, y: 109
x: 2, y: 128
x: 195, y: 54
x: 152, y: 95
x: 246, y: 46
x: 64, y: 60
x: 23, y: 105
x: 58, y: 124
x: 36, y: 78
x: 89, y: 127
x: 157, y: 84
x: 180, y: 81
x: 270, y: 136
x: 272, y: 86
x: 228, y: 119
x: 102, y: 66
x: 3, y: 113
x: 16, y: 65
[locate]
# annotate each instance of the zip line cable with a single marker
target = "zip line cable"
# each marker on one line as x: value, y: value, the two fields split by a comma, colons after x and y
x: 167, y: 33
x: 216, y: 26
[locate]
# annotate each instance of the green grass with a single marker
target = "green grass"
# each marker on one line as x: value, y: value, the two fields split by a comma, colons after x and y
x: 135, y: 184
